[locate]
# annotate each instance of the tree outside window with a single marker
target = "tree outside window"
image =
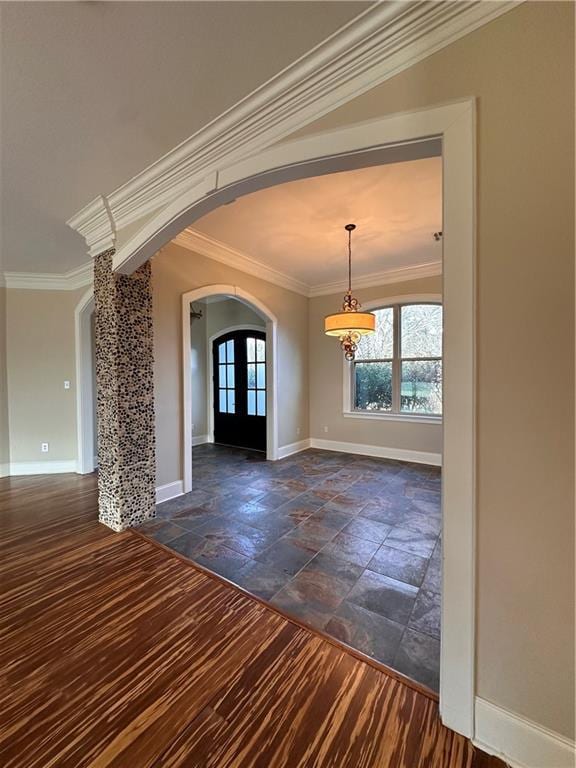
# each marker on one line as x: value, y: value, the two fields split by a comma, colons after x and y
x: 398, y: 369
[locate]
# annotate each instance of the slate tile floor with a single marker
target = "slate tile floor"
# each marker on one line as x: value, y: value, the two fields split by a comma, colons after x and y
x: 348, y: 544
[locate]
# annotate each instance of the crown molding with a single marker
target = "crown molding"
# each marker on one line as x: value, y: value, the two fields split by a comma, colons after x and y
x: 37, y: 281
x: 397, y: 275
x: 96, y: 225
x: 225, y: 254
x: 376, y: 45
x: 214, y: 249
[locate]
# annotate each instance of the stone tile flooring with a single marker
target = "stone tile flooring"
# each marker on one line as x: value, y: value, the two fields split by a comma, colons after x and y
x: 348, y: 544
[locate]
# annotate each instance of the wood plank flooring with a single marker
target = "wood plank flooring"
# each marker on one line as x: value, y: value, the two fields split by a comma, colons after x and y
x: 115, y: 653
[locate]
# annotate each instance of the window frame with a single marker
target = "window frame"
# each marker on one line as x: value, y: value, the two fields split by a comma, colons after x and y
x: 349, y: 390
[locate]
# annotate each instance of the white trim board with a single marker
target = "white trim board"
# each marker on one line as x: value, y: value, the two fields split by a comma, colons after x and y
x: 5, y: 470
x: 292, y: 448
x: 211, y: 248
x: 169, y: 491
x: 378, y: 451
x: 200, y: 440
x: 518, y: 741
x: 21, y: 468
x: 85, y: 394
x: 384, y: 40
x: 66, y: 281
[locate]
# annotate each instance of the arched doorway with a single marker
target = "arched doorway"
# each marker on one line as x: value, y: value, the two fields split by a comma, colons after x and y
x: 453, y: 128
x: 271, y: 325
x: 85, y: 385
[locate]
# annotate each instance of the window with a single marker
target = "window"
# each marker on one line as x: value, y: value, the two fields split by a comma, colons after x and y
x: 226, y: 383
x: 256, y: 379
x: 398, y: 369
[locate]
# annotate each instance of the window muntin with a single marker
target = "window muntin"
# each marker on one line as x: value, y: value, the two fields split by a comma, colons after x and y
x: 256, y: 376
x: 399, y: 368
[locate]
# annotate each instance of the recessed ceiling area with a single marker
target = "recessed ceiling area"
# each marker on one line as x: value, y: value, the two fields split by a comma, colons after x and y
x: 297, y: 228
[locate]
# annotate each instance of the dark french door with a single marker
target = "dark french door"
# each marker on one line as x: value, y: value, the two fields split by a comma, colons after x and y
x: 239, y: 360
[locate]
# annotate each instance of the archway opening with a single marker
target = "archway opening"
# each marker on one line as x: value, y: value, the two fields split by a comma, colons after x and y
x: 229, y: 373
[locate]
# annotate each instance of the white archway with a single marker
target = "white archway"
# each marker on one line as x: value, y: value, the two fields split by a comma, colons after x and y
x: 453, y: 127
x: 86, y: 461
x: 231, y: 292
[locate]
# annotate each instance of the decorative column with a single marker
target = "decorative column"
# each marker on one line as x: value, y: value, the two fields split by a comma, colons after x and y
x: 125, y: 399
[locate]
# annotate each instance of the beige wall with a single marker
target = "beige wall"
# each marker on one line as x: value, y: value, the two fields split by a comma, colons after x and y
x: 520, y: 68
x: 199, y: 372
x: 40, y: 357
x: 224, y: 314
x: 326, y: 380
x: 4, y: 425
x: 176, y: 270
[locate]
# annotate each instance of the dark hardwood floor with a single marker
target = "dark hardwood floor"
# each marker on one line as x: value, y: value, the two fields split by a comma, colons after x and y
x: 115, y: 653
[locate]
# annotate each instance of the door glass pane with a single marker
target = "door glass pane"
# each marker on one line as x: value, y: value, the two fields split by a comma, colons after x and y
x: 261, y: 403
x: 250, y: 350
x: 251, y: 402
x: 222, y: 353
x: 230, y: 351
x: 231, y: 403
x: 251, y: 375
x: 378, y: 345
x: 222, y: 375
x: 421, y: 387
x: 373, y: 386
x: 230, y: 377
x: 260, y: 350
x: 261, y: 375
x: 223, y: 408
x: 421, y: 330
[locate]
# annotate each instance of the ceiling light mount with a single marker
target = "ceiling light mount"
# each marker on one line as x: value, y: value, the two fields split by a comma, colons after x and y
x: 349, y: 325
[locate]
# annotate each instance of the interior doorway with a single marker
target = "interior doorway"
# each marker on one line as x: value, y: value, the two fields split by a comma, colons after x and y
x: 351, y: 146
x: 229, y: 373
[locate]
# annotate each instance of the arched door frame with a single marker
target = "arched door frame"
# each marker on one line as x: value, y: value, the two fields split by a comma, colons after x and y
x: 453, y: 125
x: 86, y: 461
x: 231, y: 292
x: 210, y: 369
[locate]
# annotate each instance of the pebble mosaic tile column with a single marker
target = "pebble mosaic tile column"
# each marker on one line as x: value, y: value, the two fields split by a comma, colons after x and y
x: 125, y: 394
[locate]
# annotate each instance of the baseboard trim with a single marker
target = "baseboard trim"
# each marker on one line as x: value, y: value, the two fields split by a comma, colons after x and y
x: 520, y: 742
x: 291, y: 448
x: 200, y: 440
x: 18, y: 468
x: 169, y: 491
x: 378, y: 451
x: 4, y: 470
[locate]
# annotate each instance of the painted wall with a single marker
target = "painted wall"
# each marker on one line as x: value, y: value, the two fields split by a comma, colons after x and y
x: 199, y: 371
x: 40, y: 356
x: 224, y: 314
x: 176, y: 270
x: 326, y: 381
x: 520, y: 67
x: 4, y: 425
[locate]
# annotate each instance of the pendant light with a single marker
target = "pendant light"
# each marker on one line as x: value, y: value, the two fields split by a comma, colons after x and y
x: 349, y: 324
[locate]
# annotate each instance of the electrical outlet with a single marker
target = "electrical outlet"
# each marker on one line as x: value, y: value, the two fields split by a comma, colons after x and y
x: 66, y: 385
x: 297, y: 430
x: 44, y: 447
x: 325, y: 428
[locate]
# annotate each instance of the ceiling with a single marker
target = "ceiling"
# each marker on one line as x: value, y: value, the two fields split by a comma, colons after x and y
x: 92, y: 92
x: 298, y: 228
